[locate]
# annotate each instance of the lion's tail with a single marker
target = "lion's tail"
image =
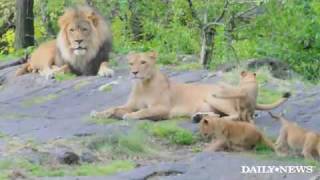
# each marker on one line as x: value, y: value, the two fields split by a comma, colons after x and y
x: 267, y: 142
x: 24, y: 69
x: 265, y: 107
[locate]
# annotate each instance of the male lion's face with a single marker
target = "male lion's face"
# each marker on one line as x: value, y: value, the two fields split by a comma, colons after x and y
x: 142, y: 65
x: 78, y: 33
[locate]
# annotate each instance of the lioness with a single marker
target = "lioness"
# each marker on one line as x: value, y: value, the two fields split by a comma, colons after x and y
x: 155, y: 97
x: 231, y: 135
x: 82, y: 46
x: 241, y: 101
x: 297, y: 139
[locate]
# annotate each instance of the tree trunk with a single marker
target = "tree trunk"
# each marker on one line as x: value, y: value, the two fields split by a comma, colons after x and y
x: 135, y: 21
x: 207, y: 46
x: 24, y: 34
x: 207, y: 42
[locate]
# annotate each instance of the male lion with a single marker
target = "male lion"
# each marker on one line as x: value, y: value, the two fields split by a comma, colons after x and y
x: 297, y: 139
x: 155, y: 97
x: 82, y: 46
x: 232, y: 135
x: 243, y: 99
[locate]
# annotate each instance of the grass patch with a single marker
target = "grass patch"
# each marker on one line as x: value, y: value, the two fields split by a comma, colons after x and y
x: 102, y: 121
x: 262, y: 149
x: 13, y: 116
x: 130, y: 144
x: 39, y: 100
x: 266, y: 96
x: 106, y: 88
x: 36, y: 170
x: 8, y: 57
x: 80, y: 85
x: 64, y: 76
x: 169, y: 130
x: 100, y: 170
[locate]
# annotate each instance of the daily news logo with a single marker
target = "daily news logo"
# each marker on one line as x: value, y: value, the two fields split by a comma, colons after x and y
x: 276, y: 169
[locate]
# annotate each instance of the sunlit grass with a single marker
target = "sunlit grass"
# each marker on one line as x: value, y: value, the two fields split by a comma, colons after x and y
x: 64, y: 76
x: 134, y: 142
x: 80, y: 85
x: 103, y: 169
x: 39, y: 100
x: 37, y: 170
x: 169, y: 130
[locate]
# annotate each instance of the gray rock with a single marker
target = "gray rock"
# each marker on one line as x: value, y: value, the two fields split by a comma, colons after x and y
x: 88, y: 157
x: 44, y: 110
x: 68, y: 157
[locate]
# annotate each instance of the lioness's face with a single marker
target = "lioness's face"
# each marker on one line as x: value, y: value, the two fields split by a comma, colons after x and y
x: 247, y: 76
x: 142, y: 65
x: 78, y: 33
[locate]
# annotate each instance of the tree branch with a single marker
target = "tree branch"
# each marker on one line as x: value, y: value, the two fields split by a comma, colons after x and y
x: 6, y: 26
x: 226, y: 3
x: 194, y: 14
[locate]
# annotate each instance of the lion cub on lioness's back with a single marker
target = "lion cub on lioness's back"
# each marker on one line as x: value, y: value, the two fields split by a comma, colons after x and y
x: 298, y: 139
x: 233, y: 135
x: 244, y: 97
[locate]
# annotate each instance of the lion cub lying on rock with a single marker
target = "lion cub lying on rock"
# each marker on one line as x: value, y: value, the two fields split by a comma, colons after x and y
x: 155, y: 97
x: 231, y: 135
x: 298, y: 139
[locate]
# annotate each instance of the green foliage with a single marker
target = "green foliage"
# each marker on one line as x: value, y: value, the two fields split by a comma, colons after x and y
x: 170, y: 131
x: 103, y: 121
x: 36, y: 170
x: 101, y: 169
x: 39, y: 100
x: 263, y: 149
x: 64, y: 76
x: 288, y: 31
x: 267, y: 96
x: 132, y: 143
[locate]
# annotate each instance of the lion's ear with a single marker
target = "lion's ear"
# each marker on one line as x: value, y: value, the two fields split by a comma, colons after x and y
x: 205, y: 122
x: 153, y: 55
x: 63, y: 20
x: 93, y: 17
x: 243, y: 73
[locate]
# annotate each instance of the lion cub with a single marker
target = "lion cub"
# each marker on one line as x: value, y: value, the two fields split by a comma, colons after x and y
x: 245, y: 97
x: 298, y: 139
x: 233, y: 135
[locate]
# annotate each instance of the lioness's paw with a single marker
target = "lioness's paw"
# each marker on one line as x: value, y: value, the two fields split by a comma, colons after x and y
x: 129, y: 116
x: 105, y: 72
x: 93, y: 114
x: 48, y: 74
